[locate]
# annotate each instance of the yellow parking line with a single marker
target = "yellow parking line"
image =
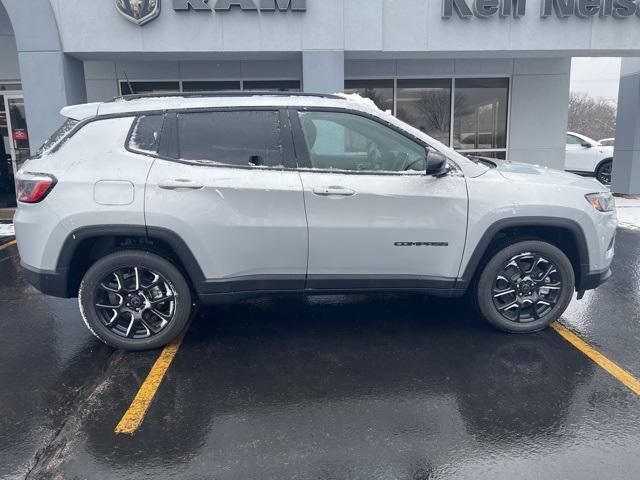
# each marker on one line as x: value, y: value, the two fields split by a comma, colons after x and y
x: 613, y: 368
x: 7, y: 245
x: 134, y: 415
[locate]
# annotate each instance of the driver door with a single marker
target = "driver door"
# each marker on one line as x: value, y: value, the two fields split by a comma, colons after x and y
x: 579, y: 158
x: 376, y: 220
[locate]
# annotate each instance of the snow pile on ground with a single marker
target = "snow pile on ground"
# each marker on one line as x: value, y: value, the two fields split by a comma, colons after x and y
x: 6, y: 230
x: 628, y: 212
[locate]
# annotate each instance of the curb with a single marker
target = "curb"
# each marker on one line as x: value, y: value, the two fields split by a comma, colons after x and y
x: 5, y: 240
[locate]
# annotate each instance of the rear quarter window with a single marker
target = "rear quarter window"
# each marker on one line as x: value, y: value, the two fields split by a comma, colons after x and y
x: 145, y: 135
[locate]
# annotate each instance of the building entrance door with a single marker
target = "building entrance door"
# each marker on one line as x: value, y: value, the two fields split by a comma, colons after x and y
x: 14, y: 146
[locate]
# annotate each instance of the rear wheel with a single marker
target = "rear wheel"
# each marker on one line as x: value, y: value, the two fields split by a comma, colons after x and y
x: 134, y: 300
x: 525, y: 287
x: 603, y: 173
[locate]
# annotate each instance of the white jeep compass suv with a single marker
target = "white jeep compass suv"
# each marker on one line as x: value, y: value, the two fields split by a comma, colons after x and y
x: 145, y: 206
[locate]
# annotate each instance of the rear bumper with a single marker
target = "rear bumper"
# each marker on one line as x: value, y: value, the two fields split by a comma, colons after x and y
x: 48, y: 282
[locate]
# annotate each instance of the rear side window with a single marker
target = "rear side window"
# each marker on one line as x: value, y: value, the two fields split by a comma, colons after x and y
x: 238, y: 138
x: 145, y: 136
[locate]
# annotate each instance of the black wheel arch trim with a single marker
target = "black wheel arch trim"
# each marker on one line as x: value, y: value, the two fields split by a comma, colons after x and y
x: 483, y: 246
x: 74, y: 239
x: 602, y: 162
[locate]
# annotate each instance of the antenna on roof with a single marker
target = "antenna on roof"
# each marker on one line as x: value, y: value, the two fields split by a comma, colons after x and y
x: 128, y: 82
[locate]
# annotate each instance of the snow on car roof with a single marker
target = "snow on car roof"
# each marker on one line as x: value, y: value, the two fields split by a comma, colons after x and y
x: 138, y: 104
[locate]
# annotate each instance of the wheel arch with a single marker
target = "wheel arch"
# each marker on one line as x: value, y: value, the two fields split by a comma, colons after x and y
x: 602, y: 162
x: 565, y: 234
x: 86, y: 245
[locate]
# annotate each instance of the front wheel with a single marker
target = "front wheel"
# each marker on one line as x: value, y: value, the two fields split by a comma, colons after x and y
x: 603, y: 173
x: 525, y: 287
x: 134, y: 300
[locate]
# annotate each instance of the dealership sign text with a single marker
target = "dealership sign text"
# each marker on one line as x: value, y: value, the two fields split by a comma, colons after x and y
x: 141, y: 12
x: 559, y: 8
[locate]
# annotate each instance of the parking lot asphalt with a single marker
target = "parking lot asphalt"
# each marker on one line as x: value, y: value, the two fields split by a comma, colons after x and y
x: 357, y: 387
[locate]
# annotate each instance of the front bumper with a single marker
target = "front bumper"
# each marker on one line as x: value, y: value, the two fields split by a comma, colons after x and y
x: 48, y: 282
x: 593, y: 280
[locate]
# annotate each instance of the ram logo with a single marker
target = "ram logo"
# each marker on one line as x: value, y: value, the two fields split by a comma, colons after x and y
x: 139, y: 11
x: 421, y: 244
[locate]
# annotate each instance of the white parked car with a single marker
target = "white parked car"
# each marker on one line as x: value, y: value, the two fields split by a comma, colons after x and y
x: 587, y: 156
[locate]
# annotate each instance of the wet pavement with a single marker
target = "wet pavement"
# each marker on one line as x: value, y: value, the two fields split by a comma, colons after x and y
x: 358, y: 387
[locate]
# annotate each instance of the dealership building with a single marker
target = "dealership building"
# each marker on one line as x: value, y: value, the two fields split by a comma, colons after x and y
x: 485, y: 76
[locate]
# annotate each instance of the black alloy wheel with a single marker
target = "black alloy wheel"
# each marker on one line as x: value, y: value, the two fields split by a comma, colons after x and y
x: 604, y: 172
x: 135, y: 300
x: 525, y: 286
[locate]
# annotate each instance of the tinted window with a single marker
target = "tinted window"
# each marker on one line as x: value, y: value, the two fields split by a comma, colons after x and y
x: 380, y: 91
x: 240, y: 138
x: 209, y: 86
x: 58, y: 137
x: 480, y: 113
x: 426, y: 104
x: 272, y: 85
x: 128, y: 88
x: 344, y: 141
x: 571, y: 140
x: 146, y: 134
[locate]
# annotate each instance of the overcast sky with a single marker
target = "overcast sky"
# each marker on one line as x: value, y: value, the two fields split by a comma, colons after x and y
x: 596, y: 76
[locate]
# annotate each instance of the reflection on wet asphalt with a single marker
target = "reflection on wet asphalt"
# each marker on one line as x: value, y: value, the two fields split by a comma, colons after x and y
x: 331, y: 387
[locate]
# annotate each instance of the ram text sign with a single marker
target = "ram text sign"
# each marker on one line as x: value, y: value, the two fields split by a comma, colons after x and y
x: 141, y: 12
x: 559, y: 8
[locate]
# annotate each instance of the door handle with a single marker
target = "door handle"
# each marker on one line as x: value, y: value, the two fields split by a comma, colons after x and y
x: 179, y: 183
x: 333, y: 191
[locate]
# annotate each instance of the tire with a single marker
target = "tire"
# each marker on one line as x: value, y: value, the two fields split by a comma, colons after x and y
x: 603, y: 172
x: 540, y: 294
x: 162, y: 300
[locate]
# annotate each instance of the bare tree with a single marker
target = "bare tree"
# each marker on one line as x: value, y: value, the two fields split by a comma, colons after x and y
x: 593, y: 117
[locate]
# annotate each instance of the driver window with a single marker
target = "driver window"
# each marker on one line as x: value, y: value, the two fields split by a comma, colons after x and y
x: 571, y: 140
x: 344, y: 141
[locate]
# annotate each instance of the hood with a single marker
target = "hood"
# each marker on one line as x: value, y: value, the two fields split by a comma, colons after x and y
x: 526, y: 172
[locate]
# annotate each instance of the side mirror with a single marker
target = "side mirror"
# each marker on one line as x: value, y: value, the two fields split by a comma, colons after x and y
x: 586, y: 144
x: 437, y: 163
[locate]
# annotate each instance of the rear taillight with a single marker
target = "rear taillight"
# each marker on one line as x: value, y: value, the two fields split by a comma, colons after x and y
x: 34, y: 187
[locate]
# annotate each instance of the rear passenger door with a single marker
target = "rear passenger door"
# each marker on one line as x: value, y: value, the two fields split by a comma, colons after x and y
x: 223, y: 184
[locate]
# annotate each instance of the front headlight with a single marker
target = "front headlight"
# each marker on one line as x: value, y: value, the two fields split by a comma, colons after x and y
x: 603, y: 202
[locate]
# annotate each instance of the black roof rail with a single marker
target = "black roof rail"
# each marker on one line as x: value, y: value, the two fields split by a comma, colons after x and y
x: 223, y: 93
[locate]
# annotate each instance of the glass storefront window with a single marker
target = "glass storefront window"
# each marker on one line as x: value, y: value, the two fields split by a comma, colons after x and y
x: 488, y: 154
x: 480, y: 113
x: 14, y: 145
x: 426, y: 105
x: 7, y: 193
x: 209, y: 86
x: 272, y: 85
x: 128, y: 88
x: 380, y: 91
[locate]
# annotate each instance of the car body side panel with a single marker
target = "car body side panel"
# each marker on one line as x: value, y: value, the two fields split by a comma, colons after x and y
x: 493, y: 200
x: 95, y: 155
x: 393, y: 225
x: 242, y: 223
